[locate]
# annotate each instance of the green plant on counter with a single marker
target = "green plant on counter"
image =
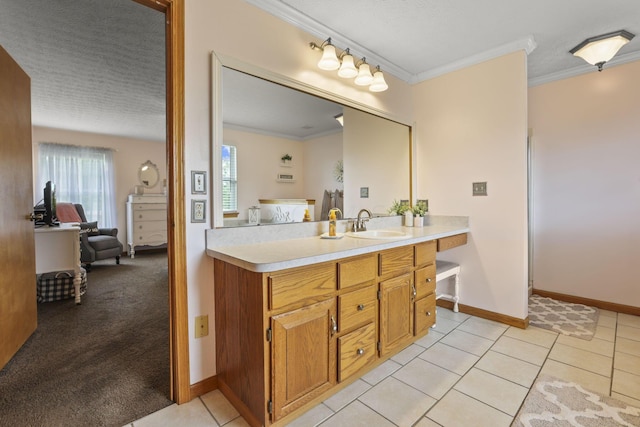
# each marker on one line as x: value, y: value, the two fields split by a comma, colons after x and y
x: 420, y: 208
x: 399, y: 207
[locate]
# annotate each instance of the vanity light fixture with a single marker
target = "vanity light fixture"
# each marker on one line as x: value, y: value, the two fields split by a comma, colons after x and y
x: 600, y: 49
x: 346, y: 67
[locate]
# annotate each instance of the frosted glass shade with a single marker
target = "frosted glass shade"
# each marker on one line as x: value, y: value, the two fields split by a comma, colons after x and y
x: 364, y: 75
x: 378, y: 84
x: 600, y: 49
x: 348, y: 68
x: 329, y: 60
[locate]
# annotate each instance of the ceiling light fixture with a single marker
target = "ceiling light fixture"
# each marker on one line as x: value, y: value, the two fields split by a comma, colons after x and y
x: 600, y: 49
x: 340, y: 119
x: 346, y: 67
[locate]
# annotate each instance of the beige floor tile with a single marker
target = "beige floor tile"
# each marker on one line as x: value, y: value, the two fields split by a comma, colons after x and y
x: 608, y: 313
x: 430, y: 339
x: 607, y: 334
x: 467, y: 342
x: 629, y: 320
x: 357, y: 414
x: 483, y: 328
x: 626, y: 383
x: 627, y: 363
x: 633, y: 402
x: 312, y: 417
x: 449, y: 358
x: 607, y: 322
x: 347, y: 395
x: 583, y: 359
x: 444, y: 325
x: 451, y: 315
x: 522, y: 350
x: 219, y: 406
x: 381, y: 372
x: 406, y: 355
x: 628, y: 332
x: 457, y: 409
x: 605, y: 348
x: 533, y: 335
x: 492, y: 390
x: 586, y: 379
x: 238, y: 422
x: 193, y: 414
x: 427, y: 377
x: 397, y: 402
x: 628, y: 346
x: 426, y: 422
x: 509, y: 368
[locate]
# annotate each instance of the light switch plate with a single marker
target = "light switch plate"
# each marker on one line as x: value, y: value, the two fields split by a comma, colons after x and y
x: 364, y: 192
x: 202, y: 326
x: 480, y: 188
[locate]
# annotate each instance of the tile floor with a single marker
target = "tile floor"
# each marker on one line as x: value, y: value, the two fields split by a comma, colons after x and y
x: 466, y: 371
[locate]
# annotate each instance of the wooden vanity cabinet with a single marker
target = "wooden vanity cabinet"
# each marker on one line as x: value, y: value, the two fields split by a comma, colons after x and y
x: 424, y: 309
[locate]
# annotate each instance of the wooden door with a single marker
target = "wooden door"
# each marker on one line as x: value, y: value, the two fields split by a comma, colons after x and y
x: 18, y: 313
x: 303, y: 356
x: 396, y: 314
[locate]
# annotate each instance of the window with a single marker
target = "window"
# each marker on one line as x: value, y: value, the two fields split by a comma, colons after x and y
x: 81, y: 175
x: 229, y: 179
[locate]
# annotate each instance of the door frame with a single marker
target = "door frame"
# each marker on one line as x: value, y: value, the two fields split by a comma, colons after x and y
x: 176, y: 246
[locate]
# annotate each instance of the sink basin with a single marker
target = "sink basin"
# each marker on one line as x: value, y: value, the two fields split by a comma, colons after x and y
x: 378, y: 234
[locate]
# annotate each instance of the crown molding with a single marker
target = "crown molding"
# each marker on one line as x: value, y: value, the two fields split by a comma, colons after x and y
x: 528, y: 44
x: 583, y: 69
x: 322, y: 32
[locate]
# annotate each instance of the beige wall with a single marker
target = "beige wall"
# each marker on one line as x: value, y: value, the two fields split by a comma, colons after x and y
x: 586, y: 179
x: 128, y: 155
x: 320, y: 158
x: 240, y: 30
x: 472, y: 126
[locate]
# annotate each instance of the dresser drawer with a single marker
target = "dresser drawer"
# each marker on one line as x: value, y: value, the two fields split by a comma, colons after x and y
x: 425, y: 281
x: 356, y: 350
x: 142, y: 227
x: 153, y: 238
x: 425, y: 253
x: 149, y: 207
x: 301, y: 284
x: 149, y: 215
x: 355, y: 271
x: 357, y: 307
x: 425, y: 314
x: 397, y: 261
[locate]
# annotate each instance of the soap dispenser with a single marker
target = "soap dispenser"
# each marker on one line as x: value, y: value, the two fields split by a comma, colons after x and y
x: 332, y: 223
x: 307, y: 216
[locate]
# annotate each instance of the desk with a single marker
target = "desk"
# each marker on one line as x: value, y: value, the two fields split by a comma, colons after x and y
x: 58, y: 249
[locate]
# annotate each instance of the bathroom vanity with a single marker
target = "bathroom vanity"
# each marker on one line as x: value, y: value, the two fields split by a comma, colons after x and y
x: 298, y: 319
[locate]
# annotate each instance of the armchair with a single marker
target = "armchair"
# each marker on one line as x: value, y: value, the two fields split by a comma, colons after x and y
x: 95, y: 243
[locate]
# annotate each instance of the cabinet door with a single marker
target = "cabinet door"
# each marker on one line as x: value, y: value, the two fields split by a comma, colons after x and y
x: 303, y: 356
x: 396, y: 313
x: 425, y: 314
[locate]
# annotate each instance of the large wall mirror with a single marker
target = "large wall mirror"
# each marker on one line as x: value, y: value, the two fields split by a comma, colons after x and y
x: 284, y: 150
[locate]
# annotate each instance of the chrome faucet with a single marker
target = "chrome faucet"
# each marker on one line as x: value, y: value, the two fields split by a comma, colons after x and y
x: 360, y: 223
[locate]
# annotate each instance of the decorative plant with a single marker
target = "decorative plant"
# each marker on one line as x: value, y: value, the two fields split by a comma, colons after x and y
x: 399, y: 207
x: 338, y: 172
x: 420, y: 208
x: 286, y: 157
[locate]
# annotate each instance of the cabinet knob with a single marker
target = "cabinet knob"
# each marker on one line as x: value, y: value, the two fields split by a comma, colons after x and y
x: 428, y: 313
x: 428, y: 279
x: 360, y: 307
x: 360, y: 351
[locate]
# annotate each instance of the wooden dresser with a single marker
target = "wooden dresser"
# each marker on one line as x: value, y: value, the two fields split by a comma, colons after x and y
x: 146, y: 222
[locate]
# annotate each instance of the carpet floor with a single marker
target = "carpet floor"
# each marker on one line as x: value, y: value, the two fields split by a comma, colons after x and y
x: 102, y: 363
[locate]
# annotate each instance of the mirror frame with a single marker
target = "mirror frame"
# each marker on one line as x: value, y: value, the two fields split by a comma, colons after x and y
x: 152, y: 166
x: 218, y: 61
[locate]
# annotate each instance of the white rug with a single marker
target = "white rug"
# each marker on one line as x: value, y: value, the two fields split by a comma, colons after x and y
x: 575, y: 320
x: 557, y: 403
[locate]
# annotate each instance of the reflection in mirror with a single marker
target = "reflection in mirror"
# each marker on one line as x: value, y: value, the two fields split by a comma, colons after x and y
x: 329, y: 163
x: 148, y: 174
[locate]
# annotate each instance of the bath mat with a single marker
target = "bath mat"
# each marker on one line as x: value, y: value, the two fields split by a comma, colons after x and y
x: 575, y: 320
x: 559, y: 403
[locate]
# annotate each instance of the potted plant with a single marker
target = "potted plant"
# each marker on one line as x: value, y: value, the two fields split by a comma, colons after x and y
x: 286, y: 159
x: 419, y: 210
x: 398, y: 207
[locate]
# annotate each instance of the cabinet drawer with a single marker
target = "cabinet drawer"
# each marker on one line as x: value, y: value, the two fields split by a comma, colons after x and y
x: 425, y: 281
x: 142, y: 227
x: 357, y: 307
x: 150, y: 216
x: 395, y: 262
x: 304, y: 284
x: 149, y: 207
x: 452, y: 241
x: 425, y: 314
x: 152, y: 238
x: 425, y: 253
x: 356, y: 350
x: 355, y: 271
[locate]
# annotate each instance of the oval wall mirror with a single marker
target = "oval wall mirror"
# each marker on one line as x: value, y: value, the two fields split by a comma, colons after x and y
x: 148, y: 174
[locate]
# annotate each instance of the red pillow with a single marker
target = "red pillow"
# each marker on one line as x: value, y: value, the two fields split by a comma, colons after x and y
x: 66, y: 212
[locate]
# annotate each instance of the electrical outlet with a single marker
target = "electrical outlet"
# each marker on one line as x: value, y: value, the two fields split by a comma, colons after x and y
x: 202, y: 326
x: 480, y: 188
x: 364, y: 192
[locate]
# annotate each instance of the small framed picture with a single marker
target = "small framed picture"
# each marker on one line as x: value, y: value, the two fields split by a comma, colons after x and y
x: 198, y: 211
x: 198, y: 182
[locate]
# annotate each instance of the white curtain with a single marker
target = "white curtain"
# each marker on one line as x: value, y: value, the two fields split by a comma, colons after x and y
x: 81, y: 175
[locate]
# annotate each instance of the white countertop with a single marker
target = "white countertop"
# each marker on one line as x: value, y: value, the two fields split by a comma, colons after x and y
x: 282, y: 254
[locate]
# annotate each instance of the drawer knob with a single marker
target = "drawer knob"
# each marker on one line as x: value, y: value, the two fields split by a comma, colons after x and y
x: 360, y: 351
x: 428, y: 313
x: 428, y: 279
x: 360, y: 307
